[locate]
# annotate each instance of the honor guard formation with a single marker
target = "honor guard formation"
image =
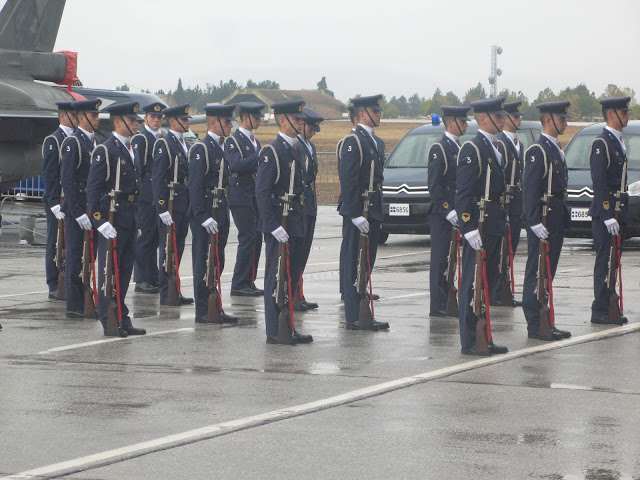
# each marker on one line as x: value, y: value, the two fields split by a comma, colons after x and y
x: 131, y: 200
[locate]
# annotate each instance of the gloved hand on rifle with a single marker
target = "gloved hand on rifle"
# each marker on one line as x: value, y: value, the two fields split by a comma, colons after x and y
x: 613, y: 227
x: 540, y: 230
x: 84, y: 222
x: 166, y: 218
x: 474, y: 239
x: 452, y: 216
x: 281, y: 235
x: 107, y: 230
x: 362, y: 224
x: 210, y: 225
x: 56, y: 211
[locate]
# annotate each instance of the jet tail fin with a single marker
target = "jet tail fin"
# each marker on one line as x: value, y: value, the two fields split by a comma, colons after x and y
x: 30, y: 25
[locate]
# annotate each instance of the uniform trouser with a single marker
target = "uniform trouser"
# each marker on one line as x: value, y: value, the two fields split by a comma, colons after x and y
x: 493, y: 267
x: 125, y: 226
x: 308, y: 240
x: 467, y: 318
x: 602, y: 245
x: 343, y: 246
x: 530, y: 304
x: 495, y: 287
x: 440, y: 231
x: 270, y: 277
x: 199, y: 260
x: 146, y: 264
x: 182, y: 228
x: 50, y: 268
x: 351, y: 239
x: 249, y: 247
x: 74, y: 239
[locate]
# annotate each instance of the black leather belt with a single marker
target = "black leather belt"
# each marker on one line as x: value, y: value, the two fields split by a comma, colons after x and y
x: 560, y: 196
x: 311, y: 186
x: 128, y: 197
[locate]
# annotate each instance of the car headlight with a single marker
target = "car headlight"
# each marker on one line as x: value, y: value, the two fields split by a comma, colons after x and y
x: 634, y: 189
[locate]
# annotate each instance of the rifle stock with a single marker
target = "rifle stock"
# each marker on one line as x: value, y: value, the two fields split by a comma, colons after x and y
x: 544, y: 275
x: 173, y: 292
x: 615, y: 300
x: 480, y: 301
x: 87, y: 265
x: 214, y: 306
x: 365, y: 311
x: 111, y: 283
x: 452, y: 290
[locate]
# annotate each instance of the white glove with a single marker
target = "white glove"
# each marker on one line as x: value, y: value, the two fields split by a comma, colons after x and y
x: 210, y: 225
x: 474, y: 239
x: 280, y: 234
x: 56, y: 211
x: 540, y: 231
x: 139, y: 233
x: 452, y: 216
x: 107, y: 230
x: 166, y: 218
x: 362, y: 224
x: 84, y: 222
x: 613, y: 227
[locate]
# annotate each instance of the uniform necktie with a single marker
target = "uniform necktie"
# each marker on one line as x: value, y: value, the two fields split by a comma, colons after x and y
x: 495, y: 145
x: 458, y: 142
x: 515, y: 141
x: 220, y: 141
x: 559, y: 145
x: 127, y: 144
x: 253, y: 139
x: 159, y: 135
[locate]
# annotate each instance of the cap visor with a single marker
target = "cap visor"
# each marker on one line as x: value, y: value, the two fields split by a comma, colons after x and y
x: 515, y: 114
x: 298, y: 115
x: 315, y: 128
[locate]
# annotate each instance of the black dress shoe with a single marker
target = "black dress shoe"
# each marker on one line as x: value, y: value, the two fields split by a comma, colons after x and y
x: 245, y: 292
x: 75, y: 314
x: 135, y: 331
x: 274, y: 341
x: 144, y: 287
x: 300, y: 338
x: 121, y: 332
x: 375, y: 326
x: 546, y: 338
x: 625, y: 319
x: 375, y: 296
x: 476, y: 353
x: 438, y: 313
x: 228, y: 318
x: 564, y: 333
x: 342, y: 296
x: 259, y: 290
x: 497, y: 349
x: 165, y: 301
x: 604, y: 320
x: 203, y: 320
x: 301, y: 307
x: 185, y: 300
x: 496, y: 303
x: 517, y: 303
x: 53, y: 295
x: 309, y: 305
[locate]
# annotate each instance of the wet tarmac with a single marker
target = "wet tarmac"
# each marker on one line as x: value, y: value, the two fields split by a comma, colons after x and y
x: 194, y: 401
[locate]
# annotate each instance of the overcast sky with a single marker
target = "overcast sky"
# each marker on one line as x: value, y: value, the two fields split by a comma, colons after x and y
x: 395, y: 47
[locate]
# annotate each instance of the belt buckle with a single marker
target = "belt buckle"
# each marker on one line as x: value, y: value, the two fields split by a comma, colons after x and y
x: 131, y: 198
x: 254, y: 176
x: 302, y: 199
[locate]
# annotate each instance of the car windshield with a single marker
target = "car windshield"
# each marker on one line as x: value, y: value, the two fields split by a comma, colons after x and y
x: 411, y: 152
x: 577, y: 154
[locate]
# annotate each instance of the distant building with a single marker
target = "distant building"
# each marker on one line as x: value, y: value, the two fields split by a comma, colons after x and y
x: 326, y: 105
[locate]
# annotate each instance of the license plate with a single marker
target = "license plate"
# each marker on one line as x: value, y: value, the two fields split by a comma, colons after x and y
x: 399, y: 209
x: 580, y: 215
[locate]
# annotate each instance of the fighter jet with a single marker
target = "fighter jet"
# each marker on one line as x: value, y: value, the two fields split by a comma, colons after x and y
x: 28, y: 112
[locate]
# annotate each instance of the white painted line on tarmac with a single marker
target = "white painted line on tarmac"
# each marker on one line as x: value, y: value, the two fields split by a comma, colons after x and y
x: 109, y: 457
x: 408, y: 295
x: 112, y: 339
x: 23, y: 294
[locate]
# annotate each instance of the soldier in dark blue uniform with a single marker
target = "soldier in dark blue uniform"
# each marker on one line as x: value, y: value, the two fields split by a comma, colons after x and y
x: 51, y: 156
x: 74, y: 170
x: 608, y: 155
x: 166, y: 151
x: 272, y: 183
x: 357, y: 152
x: 242, y: 150
x: 309, y: 161
x: 544, y: 156
x: 443, y: 160
x: 102, y: 180
x: 146, y: 264
x: 513, y: 152
x: 475, y: 158
x: 208, y: 169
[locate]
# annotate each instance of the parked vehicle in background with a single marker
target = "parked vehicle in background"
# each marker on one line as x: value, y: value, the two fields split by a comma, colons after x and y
x: 580, y: 191
x: 405, y: 190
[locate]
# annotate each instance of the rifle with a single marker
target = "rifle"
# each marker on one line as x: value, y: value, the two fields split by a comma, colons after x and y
x: 506, y: 252
x: 60, y: 256
x: 615, y: 300
x: 452, y: 291
x: 213, y: 258
x: 366, y: 311
x: 171, y: 254
x: 87, y: 269
x: 112, y: 270
x: 480, y: 301
x: 283, y: 293
x: 544, y: 287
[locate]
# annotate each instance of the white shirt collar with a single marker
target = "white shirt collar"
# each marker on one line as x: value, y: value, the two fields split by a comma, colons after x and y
x: 553, y: 139
x: 492, y: 138
x: 178, y: 135
x: 290, y: 140
x: 87, y: 134
x: 124, y: 141
x: 216, y: 138
x: 152, y: 131
x: 306, y: 142
x: 511, y: 135
x: 452, y: 137
x: 618, y: 135
x: 67, y: 130
x: 368, y: 129
x: 247, y: 133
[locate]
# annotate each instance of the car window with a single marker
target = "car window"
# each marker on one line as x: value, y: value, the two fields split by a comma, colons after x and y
x: 577, y: 152
x: 527, y: 136
x: 412, y: 151
x: 632, y: 143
